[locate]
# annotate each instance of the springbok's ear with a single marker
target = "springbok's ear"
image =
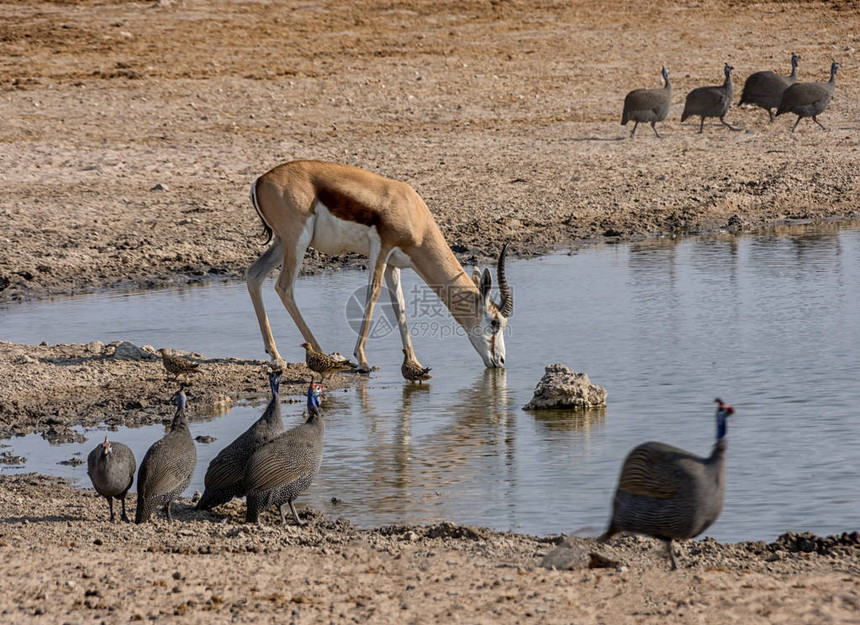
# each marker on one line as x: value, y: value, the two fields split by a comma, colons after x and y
x: 486, y: 284
x: 476, y: 277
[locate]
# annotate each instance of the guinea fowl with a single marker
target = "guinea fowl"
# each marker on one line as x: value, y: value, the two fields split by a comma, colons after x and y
x: 764, y: 89
x: 225, y: 475
x: 167, y: 467
x: 669, y: 493
x: 808, y: 99
x: 325, y: 364
x: 648, y: 105
x: 284, y: 468
x: 111, y: 468
x: 711, y: 101
x: 412, y: 369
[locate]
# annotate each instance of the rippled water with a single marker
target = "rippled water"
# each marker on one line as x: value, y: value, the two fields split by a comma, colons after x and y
x: 769, y: 322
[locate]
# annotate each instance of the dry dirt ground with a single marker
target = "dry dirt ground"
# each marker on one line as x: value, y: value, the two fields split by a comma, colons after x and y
x: 63, y: 562
x: 130, y: 134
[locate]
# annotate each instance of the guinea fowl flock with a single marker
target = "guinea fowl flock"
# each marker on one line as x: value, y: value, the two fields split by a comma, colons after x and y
x: 266, y: 464
x: 765, y: 89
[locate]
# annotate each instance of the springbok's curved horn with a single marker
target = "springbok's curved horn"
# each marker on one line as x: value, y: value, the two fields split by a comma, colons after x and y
x: 506, y: 306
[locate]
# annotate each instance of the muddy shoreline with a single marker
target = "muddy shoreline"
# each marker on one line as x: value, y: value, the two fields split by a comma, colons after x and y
x: 96, y: 383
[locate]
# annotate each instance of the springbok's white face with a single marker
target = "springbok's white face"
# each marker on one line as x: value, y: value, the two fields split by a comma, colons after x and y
x: 488, y: 336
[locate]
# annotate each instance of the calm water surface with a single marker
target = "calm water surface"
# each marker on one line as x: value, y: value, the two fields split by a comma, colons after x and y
x: 769, y: 322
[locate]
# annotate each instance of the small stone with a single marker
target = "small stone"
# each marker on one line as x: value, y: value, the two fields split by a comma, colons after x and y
x: 126, y: 350
x: 600, y: 561
x: 159, y: 187
x: 567, y: 556
x: 95, y: 347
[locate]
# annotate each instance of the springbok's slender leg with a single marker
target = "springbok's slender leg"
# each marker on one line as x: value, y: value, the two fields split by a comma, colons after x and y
x: 287, y: 281
x: 398, y: 304
x: 254, y: 278
x: 379, y: 261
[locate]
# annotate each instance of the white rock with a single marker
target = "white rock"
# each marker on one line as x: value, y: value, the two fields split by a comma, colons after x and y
x: 561, y: 388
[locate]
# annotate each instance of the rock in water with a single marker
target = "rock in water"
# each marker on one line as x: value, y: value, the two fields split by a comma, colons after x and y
x: 561, y: 388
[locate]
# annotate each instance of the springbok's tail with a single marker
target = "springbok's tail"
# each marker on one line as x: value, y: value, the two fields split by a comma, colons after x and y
x: 266, y: 226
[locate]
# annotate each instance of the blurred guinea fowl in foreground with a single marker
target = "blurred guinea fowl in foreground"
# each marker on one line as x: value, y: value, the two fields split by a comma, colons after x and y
x: 648, y: 105
x: 808, y: 99
x: 226, y: 472
x: 765, y: 89
x: 284, y: 468
x: 167, y: 467
x: 111, y: 468
x: 669, y: 493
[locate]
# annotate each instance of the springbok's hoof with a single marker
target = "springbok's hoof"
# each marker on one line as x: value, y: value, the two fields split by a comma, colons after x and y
x: 278, y: 364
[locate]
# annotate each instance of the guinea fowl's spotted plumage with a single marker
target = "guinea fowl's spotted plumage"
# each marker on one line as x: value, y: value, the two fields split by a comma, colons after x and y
x: 808, y: 99
x: 225, y: 475
x: 648, y: 105
x: 412, y: 370
x: 324, y: 364
x: 669, y: 493
x: 167, y: 467
x: 177, y: 365
x: 711, y: 101
x: 765, y: 89
x: 111, y: 468
x: 284, y: 467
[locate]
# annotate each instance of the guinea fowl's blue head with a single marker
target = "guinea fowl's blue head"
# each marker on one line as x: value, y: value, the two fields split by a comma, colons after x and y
x: 794, y: 59
x: 727, y: 70
x: 724, y: 411
x: 106, y: 448
x: 275, y: 382
x: 314, y: 397
x: 180, y: 400
x: 665, y: 73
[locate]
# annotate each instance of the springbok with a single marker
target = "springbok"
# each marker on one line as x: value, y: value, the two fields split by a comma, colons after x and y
x: 338, y: 208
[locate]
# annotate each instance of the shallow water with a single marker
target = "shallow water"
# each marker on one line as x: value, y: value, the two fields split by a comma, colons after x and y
x: 768, y: 322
